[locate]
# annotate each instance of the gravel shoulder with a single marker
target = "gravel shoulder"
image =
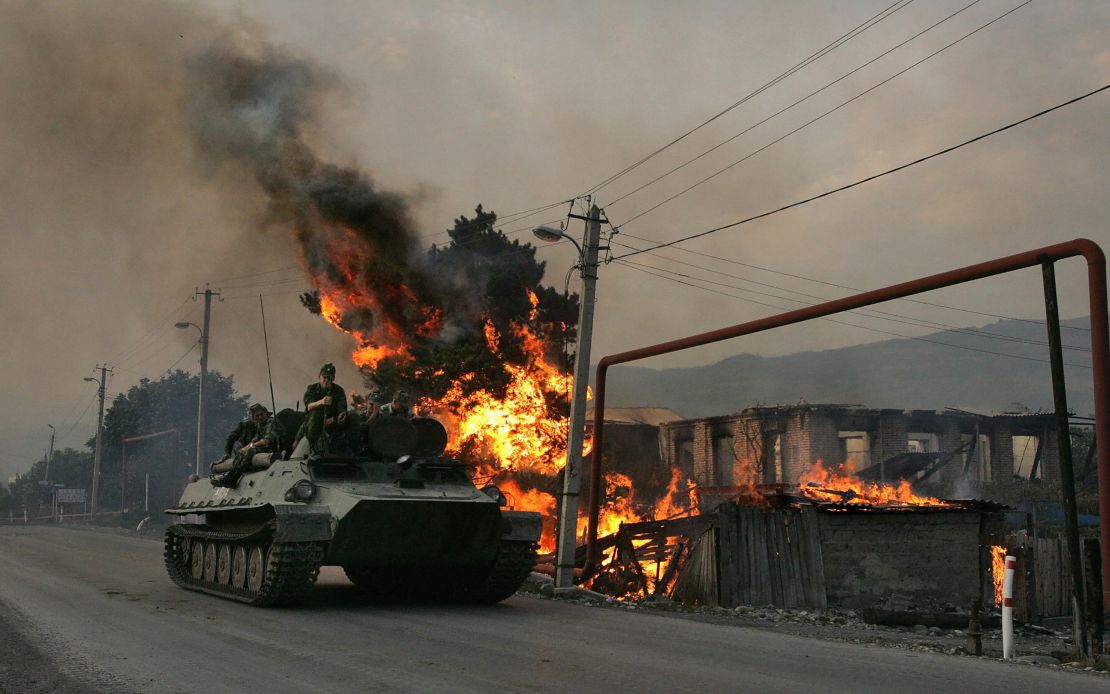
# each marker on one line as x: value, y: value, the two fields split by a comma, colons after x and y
x: 1033, y: 645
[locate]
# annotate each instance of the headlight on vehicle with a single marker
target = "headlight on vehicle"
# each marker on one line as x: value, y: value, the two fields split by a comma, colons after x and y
x: 303, y: 490
x: 494, y: 493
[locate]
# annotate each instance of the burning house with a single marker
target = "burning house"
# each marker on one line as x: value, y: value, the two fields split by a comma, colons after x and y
x: 948, y: 453
x: 833, y: 505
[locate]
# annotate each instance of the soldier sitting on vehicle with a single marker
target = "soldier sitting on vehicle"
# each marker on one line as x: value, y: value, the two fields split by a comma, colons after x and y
x: 240, y: 436
x: 399, y: 406
x: 326, y: 405
x: 265, y: 439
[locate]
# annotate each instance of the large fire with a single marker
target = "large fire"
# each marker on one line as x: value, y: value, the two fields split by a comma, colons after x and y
x: 511, y: 433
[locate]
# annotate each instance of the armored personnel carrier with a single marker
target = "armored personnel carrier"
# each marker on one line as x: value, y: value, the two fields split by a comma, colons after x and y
x: 402, y: 522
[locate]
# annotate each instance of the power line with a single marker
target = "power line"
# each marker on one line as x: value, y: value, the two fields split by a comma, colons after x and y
x: 732, y: 261
x: 259, y: 274
x: 505, y: 219
x: 898, y: 318
x: 823, y: 115
x: 187, y: 352
x: 859, y: 29
x: 869, y: 178
x: 787, y: 108
x: 271, y: 283
x: 866, y: 313
x: 159, y: 325
x: 77, y: 421
x: 154, y: 347
x: 640, y: 268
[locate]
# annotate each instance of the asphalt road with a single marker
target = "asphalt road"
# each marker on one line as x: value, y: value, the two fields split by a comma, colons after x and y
x: 91, y: 611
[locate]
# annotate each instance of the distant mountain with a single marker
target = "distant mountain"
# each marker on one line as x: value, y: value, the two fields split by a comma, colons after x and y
x: 989, y: 368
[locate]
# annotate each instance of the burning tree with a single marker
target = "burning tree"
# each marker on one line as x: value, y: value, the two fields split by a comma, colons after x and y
x: 488, y: 348
x: 468, y: 328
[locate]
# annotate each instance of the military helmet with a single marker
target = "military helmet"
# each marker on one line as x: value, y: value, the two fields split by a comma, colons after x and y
x: 402, y: 398
x: 257, y: 407
x: 328, y: 370
x: 377, y: 397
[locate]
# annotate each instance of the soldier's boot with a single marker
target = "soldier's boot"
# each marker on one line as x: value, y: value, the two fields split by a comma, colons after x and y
x: 230, y: 478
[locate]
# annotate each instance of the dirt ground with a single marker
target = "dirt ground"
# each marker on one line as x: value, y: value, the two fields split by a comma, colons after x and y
x: 1033, y: 645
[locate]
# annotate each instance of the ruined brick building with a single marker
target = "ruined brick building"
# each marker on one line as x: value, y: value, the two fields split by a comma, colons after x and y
x: 950, y: 452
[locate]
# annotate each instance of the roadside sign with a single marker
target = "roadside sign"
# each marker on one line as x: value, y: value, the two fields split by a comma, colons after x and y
x: 71, y: 496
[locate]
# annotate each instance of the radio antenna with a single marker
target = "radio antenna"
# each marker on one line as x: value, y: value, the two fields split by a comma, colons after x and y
x: 266, y: 340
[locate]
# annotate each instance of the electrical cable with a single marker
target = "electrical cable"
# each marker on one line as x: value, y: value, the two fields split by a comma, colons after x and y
x: 843, y: 286
x: 851, y: 325
x: 796, y: 103
x: 869, y: 312
x: 257, y: 274
x: 823, y: 115
x: 859, y: 29
x: 159, y: 325
x: 155, y: 346
x: 868, y: 178
x: 511, y: 218
x: 187, y: 352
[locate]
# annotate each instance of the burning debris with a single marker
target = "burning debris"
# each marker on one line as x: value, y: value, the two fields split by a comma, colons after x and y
x: 840, y: 485
x: 649, y: 559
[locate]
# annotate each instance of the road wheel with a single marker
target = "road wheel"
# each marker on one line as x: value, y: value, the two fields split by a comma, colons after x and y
x: 210, y: 562
x: 196, y: 559
x: 238, y: 566
x: 223, y: 563
x: 256, y: 569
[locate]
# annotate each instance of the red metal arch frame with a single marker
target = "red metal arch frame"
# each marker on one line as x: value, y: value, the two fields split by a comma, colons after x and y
x: 1100, y: 356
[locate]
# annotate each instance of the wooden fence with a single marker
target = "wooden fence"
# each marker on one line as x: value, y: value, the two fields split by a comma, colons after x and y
x: 770, y: 557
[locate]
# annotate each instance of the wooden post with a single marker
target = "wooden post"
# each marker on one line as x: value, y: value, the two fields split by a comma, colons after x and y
x: 1092, y: 585
x: 1063, y: 438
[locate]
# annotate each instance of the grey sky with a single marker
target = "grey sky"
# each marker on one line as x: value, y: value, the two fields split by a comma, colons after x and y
x: 110, y: 220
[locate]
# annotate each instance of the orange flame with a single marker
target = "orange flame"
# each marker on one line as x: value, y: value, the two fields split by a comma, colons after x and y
x: 839, y: 486
x: 998, y: 571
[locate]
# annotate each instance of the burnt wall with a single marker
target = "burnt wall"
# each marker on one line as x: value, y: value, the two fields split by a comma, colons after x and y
x: 1002, y: 452
x: 897, y: 560
x: 824, y: 439
x: 893, y: 430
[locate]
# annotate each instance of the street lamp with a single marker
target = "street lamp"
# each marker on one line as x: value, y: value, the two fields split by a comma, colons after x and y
x: 550, y: 234
x: 572, y: 473
x: 182, y: 325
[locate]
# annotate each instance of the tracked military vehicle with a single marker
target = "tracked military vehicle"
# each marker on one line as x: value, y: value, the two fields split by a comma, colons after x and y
x: 401, y: 520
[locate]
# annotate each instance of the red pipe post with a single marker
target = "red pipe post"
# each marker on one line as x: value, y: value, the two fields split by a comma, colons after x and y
x: 1100, y: 360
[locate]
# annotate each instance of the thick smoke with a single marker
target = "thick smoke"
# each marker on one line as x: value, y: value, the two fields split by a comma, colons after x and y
x: 249, y: 104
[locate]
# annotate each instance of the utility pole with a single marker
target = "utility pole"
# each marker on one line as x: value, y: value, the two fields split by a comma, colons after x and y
x: 208, y: 294
x: 1067, y: 472
x: 50, y: 454
x: 572, y: 473
x: 104, y: 371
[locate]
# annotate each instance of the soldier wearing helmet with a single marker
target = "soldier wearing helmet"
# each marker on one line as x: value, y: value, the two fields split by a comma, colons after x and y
x: 326, y: 405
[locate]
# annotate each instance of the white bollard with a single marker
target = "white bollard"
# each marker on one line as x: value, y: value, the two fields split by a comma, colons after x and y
x: 1008, y: 608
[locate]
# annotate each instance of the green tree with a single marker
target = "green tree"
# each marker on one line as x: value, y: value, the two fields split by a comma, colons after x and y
x: 69, y: 468
x: 153, y: 406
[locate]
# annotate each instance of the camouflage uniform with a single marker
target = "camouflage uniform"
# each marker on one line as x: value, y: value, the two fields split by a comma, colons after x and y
x: 314, y: 427
x: 268, y: 431
x: 242, y: 434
